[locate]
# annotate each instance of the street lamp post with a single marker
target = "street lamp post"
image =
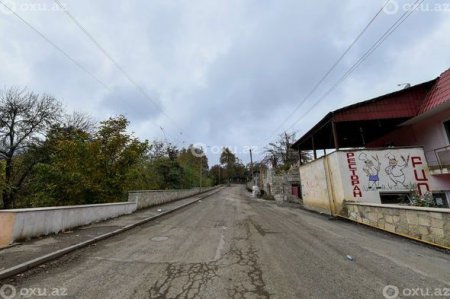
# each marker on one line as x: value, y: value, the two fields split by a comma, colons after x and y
x: 201, y: 171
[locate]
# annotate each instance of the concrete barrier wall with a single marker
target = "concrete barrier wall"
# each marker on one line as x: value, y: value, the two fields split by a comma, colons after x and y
x: 19, y: 224
x: 427, y: 224
x: 148, y: 198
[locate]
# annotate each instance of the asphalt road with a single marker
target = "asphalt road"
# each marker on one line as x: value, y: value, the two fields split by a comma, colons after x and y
x: 233, y: 246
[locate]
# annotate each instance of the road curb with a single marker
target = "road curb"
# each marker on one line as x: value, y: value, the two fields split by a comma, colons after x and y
x: 411, y: 238
x: 56, y: 254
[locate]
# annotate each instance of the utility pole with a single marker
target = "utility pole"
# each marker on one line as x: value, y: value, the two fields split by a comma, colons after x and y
x: 287, y: 147
x: 251, y: 166
x: 228, y: 169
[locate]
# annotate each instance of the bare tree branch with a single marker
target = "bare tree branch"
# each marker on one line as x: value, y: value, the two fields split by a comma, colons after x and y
x: 24, y: 117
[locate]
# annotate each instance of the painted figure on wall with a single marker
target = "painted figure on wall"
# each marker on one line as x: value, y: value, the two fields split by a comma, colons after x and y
x: 371, y: 169
x: 395, y: 171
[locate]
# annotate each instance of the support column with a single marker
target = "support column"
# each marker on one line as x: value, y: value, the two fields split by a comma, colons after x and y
x: 314, y: 147
x: 335, y: 136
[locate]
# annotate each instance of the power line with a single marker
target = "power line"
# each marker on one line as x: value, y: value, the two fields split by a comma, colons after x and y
x: 114, y: 62
x: 327, y: 73
x: 375, y: 46
x: 56, y: 46
x: 59, y: 49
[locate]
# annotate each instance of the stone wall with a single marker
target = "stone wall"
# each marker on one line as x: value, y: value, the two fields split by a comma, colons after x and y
x: 427, y: 224
x: 278, y: 186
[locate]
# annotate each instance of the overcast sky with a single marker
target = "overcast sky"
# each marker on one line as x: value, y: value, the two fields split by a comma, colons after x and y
x: 225, y: 72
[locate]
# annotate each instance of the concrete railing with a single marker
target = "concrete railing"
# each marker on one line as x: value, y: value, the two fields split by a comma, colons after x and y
x: 21, y: 224
x: 426, y: 224
x: 148, y: 198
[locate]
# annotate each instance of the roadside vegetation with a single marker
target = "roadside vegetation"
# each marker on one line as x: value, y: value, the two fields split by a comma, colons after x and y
x: 280, y: 156
x: 50, y: 158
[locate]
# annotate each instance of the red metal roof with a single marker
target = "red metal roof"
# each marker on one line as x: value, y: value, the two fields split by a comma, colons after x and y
x: 403, y: 103
x: 439, y: 94
x: 392, y: 109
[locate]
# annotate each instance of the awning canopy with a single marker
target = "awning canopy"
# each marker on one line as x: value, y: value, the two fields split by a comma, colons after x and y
x: 361, y: 123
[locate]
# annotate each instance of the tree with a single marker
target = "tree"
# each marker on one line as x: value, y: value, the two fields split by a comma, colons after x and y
x: 79, y: 167
x: 162, y: 167
x: 24, y: 119
x: 217, y: 173
x: 169, y: 173
x: 79, y: 121
x: 159, y: 149
x: 117, y: 151
x: 280, y: 155
x: 68, y: 173
x: 195, y: 165
x: 228, y: 159
x: 240, y: 172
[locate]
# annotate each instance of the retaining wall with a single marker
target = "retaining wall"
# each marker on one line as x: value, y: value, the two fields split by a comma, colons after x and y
x: 148, y: 198
x: 427, y: 224
x: 20, y: 224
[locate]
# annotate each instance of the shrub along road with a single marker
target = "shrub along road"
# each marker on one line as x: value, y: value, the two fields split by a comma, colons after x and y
x: 233, y: 246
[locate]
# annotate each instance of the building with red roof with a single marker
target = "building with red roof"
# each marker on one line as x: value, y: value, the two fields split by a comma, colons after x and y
x: 381, y: 150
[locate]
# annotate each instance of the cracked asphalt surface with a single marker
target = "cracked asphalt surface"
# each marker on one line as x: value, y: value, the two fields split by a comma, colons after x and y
x: 233, y: 246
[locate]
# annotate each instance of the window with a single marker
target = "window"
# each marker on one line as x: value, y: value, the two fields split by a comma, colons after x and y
x: 447, y: 129
x: 440, y: 199
x: 395, y: 198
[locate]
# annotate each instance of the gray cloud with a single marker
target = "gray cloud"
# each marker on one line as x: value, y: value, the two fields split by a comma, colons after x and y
x: 226, y: 72
x: 129, y: 102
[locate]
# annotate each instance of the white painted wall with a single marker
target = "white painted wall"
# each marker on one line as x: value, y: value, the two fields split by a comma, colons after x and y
x: 19, y: 224
x: 336, y: 179
x: 396, y: 169
x: 315, y: 191
x: 148, y: 198
x: 361, y: 175
x: 430, y: 133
